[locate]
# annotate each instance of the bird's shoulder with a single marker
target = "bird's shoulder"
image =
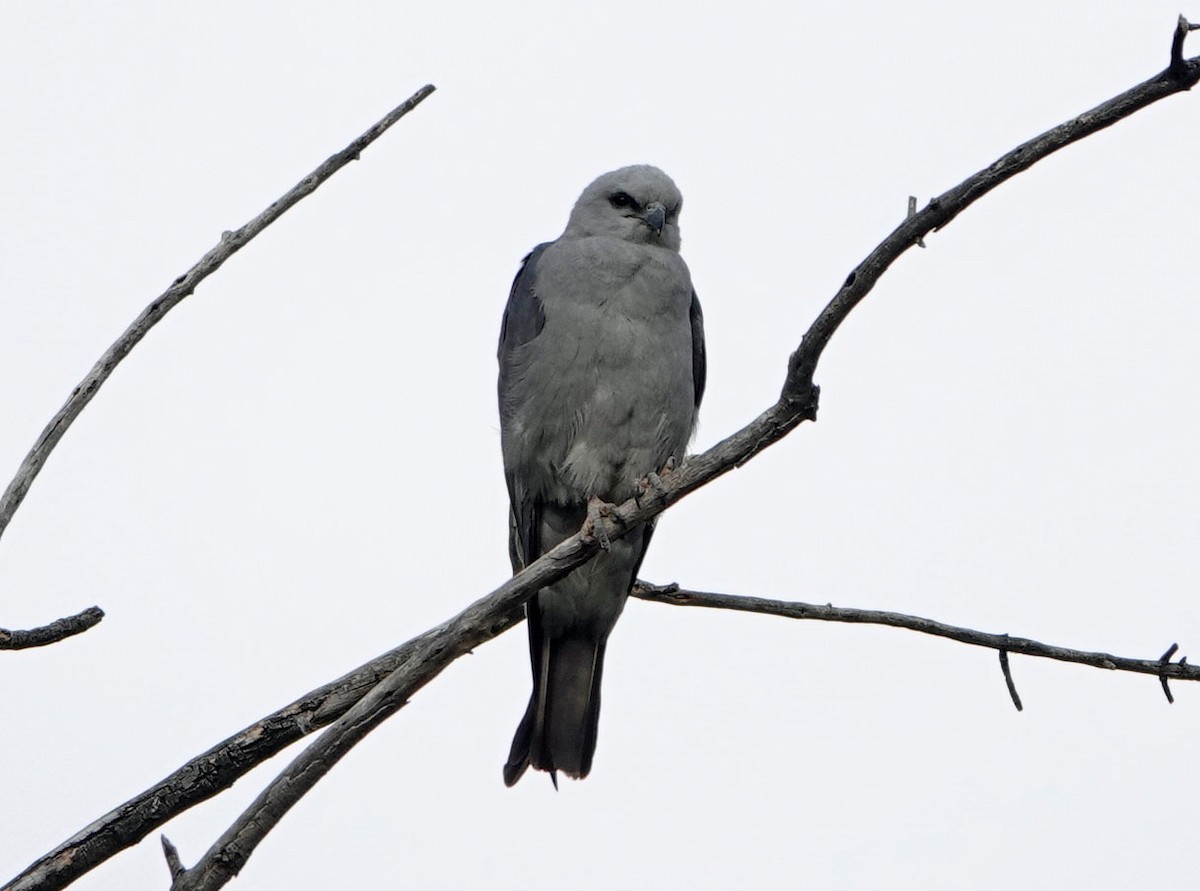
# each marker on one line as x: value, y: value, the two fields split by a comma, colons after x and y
x: 524, y: 314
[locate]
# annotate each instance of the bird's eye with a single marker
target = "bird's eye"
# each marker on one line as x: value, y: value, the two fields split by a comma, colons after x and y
x: 622, y: 199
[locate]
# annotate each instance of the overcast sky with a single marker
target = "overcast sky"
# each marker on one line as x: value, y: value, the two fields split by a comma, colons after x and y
x: 300, y: 467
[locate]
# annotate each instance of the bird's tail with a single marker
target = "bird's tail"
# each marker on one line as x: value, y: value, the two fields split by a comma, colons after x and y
x: 558, y: 731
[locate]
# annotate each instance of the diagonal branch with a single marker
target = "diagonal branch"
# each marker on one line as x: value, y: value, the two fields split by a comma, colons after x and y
x: 130, y: 822
x: 495, y: 613
x: 797, y: 403
x: 214, y: 771
x: 230, y: 244
x: 433, y: 651
x: 59, y: 629
x: 790, y: 609
x: 1181, y: 76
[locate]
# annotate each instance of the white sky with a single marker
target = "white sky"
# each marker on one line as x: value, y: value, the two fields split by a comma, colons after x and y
x: 300, y: 467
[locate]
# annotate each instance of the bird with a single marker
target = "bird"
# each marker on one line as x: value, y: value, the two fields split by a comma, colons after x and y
x: 602, y: 369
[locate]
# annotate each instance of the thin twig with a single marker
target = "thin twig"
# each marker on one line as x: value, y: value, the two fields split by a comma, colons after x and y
x: 791, y: 609
x: 230, y: 244
x: 1164, y: 660
x: 57, y: 630
x: 1008, y: 679
x: 174, y: 864
x: 1178, y: 66
x: 912, y: 212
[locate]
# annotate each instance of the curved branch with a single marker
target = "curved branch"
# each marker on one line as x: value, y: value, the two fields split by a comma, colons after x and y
x: 57, y: 630
x: 230, y: 244
x: 789, y: 609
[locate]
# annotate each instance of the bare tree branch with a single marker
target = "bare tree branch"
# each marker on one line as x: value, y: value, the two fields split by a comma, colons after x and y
x: 480, y: 622
x: 1161, y: 667
x: 128, y: 823
x: 425, y: 656
x: 57, y: 630
x: 215, y: 771
x: 944, y: 208
x: 230, y: 244
x: 797, y: 403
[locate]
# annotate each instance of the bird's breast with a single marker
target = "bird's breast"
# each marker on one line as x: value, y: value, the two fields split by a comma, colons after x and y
x: 611, y: 391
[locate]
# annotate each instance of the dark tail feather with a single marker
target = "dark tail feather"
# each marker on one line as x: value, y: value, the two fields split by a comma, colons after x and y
x: 518, y: 755
x: 572, y: 707
x: 567, y: 695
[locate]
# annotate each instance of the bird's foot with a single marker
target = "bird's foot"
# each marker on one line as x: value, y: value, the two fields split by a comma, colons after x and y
x: 653, y: 482
x: 598, y: 511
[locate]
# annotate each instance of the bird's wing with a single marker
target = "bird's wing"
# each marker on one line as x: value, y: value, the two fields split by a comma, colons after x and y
x: 523, y: 321
x: 699, y: 357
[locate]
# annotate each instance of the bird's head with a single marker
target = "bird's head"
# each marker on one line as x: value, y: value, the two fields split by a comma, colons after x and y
x: 639, y: 204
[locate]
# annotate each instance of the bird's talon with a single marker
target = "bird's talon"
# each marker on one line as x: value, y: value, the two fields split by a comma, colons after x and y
x: 650, y: 482
x: 593, y: 526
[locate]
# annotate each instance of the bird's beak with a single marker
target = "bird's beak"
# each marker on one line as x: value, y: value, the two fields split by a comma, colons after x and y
x: 655, y: 217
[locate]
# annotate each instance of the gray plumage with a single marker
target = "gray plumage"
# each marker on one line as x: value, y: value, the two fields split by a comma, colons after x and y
x: 601, y: 372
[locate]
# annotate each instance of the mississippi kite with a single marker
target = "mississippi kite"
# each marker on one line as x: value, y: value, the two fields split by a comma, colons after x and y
x: 601, y: 372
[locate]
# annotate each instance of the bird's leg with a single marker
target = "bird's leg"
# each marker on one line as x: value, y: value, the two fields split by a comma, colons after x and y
x: 598, y: 511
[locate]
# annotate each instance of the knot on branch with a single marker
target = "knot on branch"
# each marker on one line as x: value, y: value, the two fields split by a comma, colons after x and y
x: 800, y: 396
x: 668, y: 593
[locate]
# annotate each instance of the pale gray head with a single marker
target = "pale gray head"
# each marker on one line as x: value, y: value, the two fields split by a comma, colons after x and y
x: 638, y: 203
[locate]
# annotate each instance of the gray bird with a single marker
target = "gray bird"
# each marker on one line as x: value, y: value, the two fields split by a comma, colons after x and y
x: 601, y: 372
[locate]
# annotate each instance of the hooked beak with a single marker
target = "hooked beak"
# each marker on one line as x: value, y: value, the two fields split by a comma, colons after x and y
x: 654, y: 217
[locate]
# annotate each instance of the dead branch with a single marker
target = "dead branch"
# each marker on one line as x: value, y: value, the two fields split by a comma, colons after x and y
x: 107, y: 836
x: 1161, y: 667
x: 57, y: 630
x: 215, y: 770
x: 230, y: 244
